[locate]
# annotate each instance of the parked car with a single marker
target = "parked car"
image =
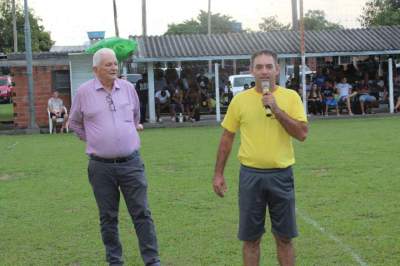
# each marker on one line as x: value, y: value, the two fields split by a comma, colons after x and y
x: 5, y: 89
x: 133, y: 78
x: 290, y: 71
x: 238, y: 82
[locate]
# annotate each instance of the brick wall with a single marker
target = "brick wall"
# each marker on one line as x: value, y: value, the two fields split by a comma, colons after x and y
x: 43, y: 86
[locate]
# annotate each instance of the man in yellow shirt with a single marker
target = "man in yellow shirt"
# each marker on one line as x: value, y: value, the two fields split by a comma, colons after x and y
x: 266, y: 155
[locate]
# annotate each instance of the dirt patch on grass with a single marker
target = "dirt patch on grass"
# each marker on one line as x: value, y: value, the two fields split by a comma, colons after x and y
x: 5, y: 177
x: 320, y: 172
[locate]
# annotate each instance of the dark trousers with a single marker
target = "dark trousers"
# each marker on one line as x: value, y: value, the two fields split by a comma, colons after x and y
x: 143, y: 110
x: 107, y: 180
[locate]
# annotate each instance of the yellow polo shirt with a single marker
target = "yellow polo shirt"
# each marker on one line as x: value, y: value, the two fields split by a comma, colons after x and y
x: 264, y: 143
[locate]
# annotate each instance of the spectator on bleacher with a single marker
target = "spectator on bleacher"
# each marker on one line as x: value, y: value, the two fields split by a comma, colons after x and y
x: 204, y: 83
x: 345, y: 94
x: 383, y: 92
x: 171, y: 75
x: 397, y: 106
x: 202, y: 80
x: 228, y: 94
x: 192, y: 102
x: 320, y: 78
x: 314, y: 99
x: 177, y: 102
x: 365, y: 98
x: 159, y: 80
x: 184, y: 81
x: 142, y: 91
x: 328, y: 96
x: 163, y: 101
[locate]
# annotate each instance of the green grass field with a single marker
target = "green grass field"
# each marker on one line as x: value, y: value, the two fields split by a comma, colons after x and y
x: 6, y: 112
x: 347, y: 185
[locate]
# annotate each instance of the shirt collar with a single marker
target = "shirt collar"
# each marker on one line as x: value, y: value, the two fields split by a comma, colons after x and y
x: 98, y: 86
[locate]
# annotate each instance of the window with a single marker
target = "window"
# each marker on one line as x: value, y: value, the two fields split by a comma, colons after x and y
x: 61, y: 81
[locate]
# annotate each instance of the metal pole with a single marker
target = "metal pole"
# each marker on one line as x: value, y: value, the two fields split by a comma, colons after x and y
x: 144, y: 21
x: 150, y: 82
x: 295, y: 22
x: 390, y: 80
x: 14, y: 22
x: 28, y: 56
x: 209, y: 33
x: 115, y: 18
x: 217, y: 100
x: 303, y: 57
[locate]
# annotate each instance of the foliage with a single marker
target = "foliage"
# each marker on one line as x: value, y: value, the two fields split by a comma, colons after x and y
x: 219, y: 24
x: 381, y: 13
x: 271, y: 23
x: 41, y: 40
x: 345, y: 183
x: 315, y: 20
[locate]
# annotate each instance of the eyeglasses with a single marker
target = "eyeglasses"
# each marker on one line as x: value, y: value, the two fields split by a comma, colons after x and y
x: 110, y: 102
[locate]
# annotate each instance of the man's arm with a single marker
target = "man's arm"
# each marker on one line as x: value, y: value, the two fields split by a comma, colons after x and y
x: 224, y: 150
x: 296, y: 129
x: 76, y: 118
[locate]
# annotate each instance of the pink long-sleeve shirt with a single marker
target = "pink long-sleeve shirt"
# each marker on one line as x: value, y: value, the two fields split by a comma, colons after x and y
x: 108, y: 132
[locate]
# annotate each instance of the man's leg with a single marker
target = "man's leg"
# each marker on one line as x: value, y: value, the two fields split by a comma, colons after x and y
x: 362, y: 106
x: 64, y: 124
x: 251, y: 253
x: 348, y: 105
x: 158, y: 107
x: 133, y: 186
x: 284, y: 250
x: 54, y: 121
x: 105, y: 189
x: 252, y: 209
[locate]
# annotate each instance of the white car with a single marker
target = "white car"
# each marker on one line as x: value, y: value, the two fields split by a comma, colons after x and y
x: 238, y: 82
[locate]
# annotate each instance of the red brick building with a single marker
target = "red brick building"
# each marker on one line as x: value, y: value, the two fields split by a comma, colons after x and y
x: 50, y: 72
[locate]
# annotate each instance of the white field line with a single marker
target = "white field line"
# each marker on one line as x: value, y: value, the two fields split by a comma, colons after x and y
x: 339, y: 242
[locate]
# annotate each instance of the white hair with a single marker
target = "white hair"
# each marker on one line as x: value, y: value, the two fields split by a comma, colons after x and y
x: 98, y: 56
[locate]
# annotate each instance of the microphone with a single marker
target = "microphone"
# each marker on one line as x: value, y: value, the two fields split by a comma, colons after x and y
x: 266, y: 85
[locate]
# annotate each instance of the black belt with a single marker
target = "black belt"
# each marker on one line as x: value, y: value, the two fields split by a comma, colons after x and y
x: 114, y: 160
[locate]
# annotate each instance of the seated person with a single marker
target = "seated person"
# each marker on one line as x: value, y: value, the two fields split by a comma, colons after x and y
x: 192, y: 100
x: 57, y: 110
x: 227, y: 95
x: 177, y: 103
x: 163, y: 101
x: 314, y: 99
x: 329, y: 100
x: 345, y: 93
x: 397, y: 106
x: 365, y: 98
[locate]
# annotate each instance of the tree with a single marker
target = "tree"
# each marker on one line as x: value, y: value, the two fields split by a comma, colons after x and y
x: 380, y: 12
x: 41, y: 40
x: 219, y: 24
x: 271, y: 23
x: 315, y: 20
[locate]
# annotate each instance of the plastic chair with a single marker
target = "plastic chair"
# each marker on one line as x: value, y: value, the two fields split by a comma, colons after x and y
x: 59, y: 120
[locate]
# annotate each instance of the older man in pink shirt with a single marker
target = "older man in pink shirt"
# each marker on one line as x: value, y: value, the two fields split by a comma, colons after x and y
x: 105, y: 113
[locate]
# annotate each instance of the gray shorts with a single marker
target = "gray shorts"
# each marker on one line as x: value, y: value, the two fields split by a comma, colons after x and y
x: 262, y: 188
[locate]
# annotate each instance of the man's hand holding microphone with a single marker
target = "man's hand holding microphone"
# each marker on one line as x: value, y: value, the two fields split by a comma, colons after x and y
x: 268, y: 99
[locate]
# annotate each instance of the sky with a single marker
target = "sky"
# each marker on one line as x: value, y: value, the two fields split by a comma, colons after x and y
x: 68, y: 21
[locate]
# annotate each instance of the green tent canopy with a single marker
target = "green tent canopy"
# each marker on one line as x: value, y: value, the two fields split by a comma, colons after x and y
x: 123, y: 48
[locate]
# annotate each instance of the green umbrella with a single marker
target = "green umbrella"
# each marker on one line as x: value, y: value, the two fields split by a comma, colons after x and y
x: 123, y: 48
